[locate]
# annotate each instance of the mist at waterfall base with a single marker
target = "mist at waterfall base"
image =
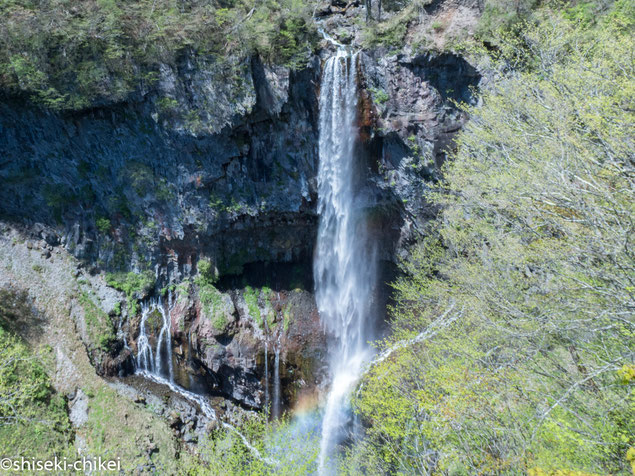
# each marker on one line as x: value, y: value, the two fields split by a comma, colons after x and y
x: 344, y: 272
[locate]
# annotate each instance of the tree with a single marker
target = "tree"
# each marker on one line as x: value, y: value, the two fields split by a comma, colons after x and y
x: 533, y: 248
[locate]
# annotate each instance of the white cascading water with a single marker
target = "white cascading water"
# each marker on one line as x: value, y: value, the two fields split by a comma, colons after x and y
x: 277, y: 403
x: 153, y: 361
x: 266, y: 374
x: 150, y: 366
x: 344, y: 264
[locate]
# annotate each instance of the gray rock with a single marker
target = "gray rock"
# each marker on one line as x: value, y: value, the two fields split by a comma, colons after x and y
x: 79, y: 409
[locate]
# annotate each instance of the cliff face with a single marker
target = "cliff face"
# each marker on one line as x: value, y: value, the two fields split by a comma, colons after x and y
x: 127, y: 189
x: 224, y: 170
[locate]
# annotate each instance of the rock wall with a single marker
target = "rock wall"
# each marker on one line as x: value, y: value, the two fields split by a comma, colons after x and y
x: 126, y: 189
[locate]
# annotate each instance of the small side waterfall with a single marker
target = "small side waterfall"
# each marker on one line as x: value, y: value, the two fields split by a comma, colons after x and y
x: 159, y: 361
x: 152, y: 366
x: 344, y: 264
x: 266, y: 374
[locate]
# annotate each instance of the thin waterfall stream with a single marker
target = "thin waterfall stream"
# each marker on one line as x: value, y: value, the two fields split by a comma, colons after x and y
x: 277, y: 403
x: 344, y: 264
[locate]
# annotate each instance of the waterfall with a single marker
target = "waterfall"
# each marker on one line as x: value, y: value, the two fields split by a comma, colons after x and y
x: 153, y: 361
x: 344, y: 264
x: 276, y: 381
x: 208, y: 411
x: 266, y: 375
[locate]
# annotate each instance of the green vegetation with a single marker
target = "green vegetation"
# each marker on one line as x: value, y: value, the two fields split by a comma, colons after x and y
x: 287, y: 317
x: 70, y: 54
x: 224, y: 452
x: 379, y: 96
x: 251, y: 298
x: 133, y: 284
x: 34, y: 421
x: 207, y: 272
x: 99, y: 326
x: 33, y: 418
x: 390, y: 33
x: 214, y: 307
x: 521, y: 293
x: 103, y: 225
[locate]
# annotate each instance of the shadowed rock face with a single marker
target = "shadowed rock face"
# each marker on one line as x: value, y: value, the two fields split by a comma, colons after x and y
x: 239, y: 194
x: 244, y: 194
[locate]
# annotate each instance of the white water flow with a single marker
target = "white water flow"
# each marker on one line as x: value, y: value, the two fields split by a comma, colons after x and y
x: 147, y: 359
x: 344, y: 264
x: 277, y: 404
x: 266, y: 374
x: 207, y: 410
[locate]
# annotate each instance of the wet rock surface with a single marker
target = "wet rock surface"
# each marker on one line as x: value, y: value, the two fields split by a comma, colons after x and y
x: 228, y: 349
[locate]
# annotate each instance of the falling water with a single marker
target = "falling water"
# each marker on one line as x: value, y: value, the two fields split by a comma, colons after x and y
x: 153, y: 361
x: 208, y: 411
x: 343, y: 268
x: 276, y: 381
x: 266, y: 374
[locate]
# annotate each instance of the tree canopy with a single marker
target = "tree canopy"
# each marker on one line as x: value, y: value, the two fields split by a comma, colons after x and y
x: 530, y: 263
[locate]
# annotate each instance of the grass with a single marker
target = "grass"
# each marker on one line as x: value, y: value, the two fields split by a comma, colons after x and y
x: 99, y: 326
x: 132, y: 284
x: 251, y: 299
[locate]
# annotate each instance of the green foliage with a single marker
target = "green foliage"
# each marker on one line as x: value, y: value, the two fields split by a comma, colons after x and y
x: 390, y: 33
x: 224, y: 451
x: 213, y: 304
x: 521, y: 293
x: 501, y: 16
x: 266, y: 317
x: 379, y: 96
x: 207, y: 271
x: 33, y: 418
x: 99, y: 326
x: 251, y: 298
x: 103, y: 225
x: 133, y: 284
x: 71, y: 54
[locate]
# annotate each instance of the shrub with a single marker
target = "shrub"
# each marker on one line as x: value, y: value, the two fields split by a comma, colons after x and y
x: 103, y: 225
x: 133, y: 285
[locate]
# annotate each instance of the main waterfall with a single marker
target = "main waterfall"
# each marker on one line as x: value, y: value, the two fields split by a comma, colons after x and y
x: 344, y: 264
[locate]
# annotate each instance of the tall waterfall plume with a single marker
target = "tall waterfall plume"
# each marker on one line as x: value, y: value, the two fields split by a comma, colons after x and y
x: 344, y: 265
